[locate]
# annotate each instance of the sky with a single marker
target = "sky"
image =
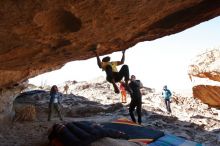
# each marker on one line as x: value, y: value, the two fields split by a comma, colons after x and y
x: 156, y: 63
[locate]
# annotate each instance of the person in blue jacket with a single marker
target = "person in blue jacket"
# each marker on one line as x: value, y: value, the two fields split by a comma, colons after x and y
x: 55, y: 102
x: 167, y: 96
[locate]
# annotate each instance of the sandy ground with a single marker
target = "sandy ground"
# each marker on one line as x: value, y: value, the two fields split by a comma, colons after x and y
x: 35, y: 133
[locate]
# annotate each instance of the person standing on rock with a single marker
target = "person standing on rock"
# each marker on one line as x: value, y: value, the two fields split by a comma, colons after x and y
x: 167, y: 96
x: 66, y: 88
x: 110, y: 67
x: 55, y: 102
x: 136, y: 98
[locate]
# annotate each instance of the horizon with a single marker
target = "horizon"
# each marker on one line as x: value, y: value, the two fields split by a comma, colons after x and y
x: 156, y: 63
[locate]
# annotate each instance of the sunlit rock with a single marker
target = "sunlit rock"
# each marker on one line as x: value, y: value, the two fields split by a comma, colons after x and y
x: 206, y: 66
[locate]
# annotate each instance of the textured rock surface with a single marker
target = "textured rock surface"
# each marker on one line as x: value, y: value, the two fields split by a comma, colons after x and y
x: 208, y: 94
x: 207, y: 65
x: 7, y: 97
x: 39, y: 36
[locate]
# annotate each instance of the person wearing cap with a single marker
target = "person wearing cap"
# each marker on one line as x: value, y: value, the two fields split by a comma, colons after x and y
x: 167, y: 96
x: 110, y: 67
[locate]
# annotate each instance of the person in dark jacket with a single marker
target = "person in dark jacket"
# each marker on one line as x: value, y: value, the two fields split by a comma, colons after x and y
x: 136, y: 98
x: 110, y: 67
x: 55, y: 102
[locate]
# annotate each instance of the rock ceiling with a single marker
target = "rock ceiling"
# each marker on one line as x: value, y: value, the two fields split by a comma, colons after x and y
x: 42, y: 35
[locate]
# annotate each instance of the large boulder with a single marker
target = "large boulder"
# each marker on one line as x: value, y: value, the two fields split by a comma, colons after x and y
x: 206, y: 67
x: 208, y: 94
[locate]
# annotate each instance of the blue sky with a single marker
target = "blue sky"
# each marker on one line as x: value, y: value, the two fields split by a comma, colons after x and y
x: 155, y: 63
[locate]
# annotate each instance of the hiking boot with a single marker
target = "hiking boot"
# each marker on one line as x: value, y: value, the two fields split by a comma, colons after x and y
x: 116, y: 89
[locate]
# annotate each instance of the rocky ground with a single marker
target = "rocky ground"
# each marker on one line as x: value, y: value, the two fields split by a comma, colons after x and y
x: 96, y: 101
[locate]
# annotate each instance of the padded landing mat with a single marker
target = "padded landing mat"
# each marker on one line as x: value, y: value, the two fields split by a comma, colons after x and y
x: 134, y: 131
x: 171, y: 140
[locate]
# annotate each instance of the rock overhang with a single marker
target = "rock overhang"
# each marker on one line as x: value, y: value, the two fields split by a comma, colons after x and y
x: 40, y: 36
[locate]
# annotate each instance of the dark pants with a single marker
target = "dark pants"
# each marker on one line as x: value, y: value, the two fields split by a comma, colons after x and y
x: 167, y: 103
x: 136, y: 104
x: 53, y: 106
x: 117, y: 76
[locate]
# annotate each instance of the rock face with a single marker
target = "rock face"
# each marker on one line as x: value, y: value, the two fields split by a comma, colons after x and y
x: 208, y: 94
x: 207, y: 65
x: 7, y: 97
x: 39, y: 36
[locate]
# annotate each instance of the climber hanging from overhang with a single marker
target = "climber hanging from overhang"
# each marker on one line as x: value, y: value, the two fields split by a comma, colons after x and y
x: 110, y: 67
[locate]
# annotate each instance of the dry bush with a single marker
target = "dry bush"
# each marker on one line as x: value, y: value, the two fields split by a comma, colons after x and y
x: 26, y: 113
